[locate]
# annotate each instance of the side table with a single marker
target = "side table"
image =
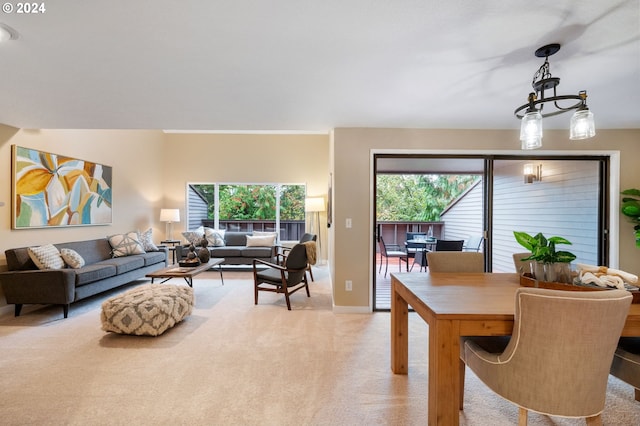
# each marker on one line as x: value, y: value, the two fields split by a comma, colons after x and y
x: 172, y: 247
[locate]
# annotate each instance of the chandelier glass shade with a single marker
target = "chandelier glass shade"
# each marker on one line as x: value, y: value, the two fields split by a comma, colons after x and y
x: 581, y: 126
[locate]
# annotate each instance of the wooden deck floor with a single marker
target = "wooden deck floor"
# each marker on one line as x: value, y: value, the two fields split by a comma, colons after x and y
x: 383, y: 284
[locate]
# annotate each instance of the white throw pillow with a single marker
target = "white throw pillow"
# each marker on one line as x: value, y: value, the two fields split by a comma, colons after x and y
x: 266, y: 233
x: 261, y: 240
x: 72, y: 258
x: 146, y: 239
x: 125, y: 244
x: 46, y: 257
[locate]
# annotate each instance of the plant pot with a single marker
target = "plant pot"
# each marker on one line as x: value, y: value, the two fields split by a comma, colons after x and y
x: 557, y: 272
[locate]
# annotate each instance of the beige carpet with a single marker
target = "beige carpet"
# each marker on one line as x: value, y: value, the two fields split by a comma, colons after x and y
x: 233, y: 363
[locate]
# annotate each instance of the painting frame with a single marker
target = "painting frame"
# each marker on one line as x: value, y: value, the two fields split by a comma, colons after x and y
x: 52, y: 190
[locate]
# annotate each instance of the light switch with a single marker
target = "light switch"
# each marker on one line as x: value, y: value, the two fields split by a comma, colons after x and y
x: 348, y: 222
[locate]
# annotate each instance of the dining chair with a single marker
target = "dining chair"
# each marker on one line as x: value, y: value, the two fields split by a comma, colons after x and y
x: 441, y: 245
x: 395, y: 254
x: 557, y: 361
x: 626, y: 363
x: 455, y: 261
x: 522, y: 266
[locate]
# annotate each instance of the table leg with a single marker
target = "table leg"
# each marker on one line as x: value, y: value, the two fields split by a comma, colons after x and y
x: 444, y: 372
x: 221, y: 277
x: 399, y: 331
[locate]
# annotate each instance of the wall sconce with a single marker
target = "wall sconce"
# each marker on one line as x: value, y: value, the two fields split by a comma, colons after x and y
x: 169, y: 216
x: 532, y: 172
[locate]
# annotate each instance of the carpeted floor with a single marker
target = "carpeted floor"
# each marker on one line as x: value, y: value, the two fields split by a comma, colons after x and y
x: 233, y: 363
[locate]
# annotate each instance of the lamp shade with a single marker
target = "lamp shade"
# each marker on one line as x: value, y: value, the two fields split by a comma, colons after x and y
x: 531, y: 130
x: 582, y: 125
x: 314, y: 204
x: 170, y: 215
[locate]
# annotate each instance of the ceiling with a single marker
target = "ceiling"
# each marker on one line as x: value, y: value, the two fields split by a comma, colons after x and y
x: 310, y: 66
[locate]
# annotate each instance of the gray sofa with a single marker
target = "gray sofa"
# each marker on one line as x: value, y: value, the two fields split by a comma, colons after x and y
x: 24, y: 283
x: 235, y: 250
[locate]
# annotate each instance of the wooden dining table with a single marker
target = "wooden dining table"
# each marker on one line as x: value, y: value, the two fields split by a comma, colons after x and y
x: 455, y: 305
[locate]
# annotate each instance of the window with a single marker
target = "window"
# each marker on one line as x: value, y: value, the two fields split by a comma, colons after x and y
x: 248, y: 207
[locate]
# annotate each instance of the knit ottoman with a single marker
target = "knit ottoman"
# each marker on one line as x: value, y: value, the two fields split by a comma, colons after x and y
x: 150, y: 309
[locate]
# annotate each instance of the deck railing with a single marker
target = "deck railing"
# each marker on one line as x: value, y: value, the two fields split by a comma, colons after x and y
x: 395, y: 232
x: 290, y: 230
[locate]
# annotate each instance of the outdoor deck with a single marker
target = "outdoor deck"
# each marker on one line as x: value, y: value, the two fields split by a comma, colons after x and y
x: 383, y: 285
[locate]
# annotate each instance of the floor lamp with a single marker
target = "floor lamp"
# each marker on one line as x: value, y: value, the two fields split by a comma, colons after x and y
x: 169, y: 216
x: 315, y: 205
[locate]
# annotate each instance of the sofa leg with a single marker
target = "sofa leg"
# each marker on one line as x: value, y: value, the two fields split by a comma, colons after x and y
x: 18, y: 308
x: 65, y: 310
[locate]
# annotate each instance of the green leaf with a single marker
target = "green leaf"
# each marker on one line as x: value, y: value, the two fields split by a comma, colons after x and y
x: 559, y: 240
x: 564, y: 257
x: 525, y: 240
x: 632, y: 191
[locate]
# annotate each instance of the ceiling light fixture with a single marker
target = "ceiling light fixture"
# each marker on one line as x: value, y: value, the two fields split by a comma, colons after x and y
x: 582, y: 125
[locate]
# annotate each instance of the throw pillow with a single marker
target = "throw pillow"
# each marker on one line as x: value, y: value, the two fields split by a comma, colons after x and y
x: 46, y: 257
x: 214, y: 237
x: 260, y: 240
x: 266, y: 233
x: 195, y: 236
x: 125, y: 244
x: 72, y: 258
x: 146, y: 239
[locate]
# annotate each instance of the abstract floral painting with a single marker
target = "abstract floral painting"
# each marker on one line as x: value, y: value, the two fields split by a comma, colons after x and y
x: 52, y: 190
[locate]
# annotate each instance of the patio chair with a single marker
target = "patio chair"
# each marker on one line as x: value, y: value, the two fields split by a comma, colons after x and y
x: 395, y: 254
x: 284, y: 279
x: 557, y: 361
x: 473, y: 243
x: 413, y: 248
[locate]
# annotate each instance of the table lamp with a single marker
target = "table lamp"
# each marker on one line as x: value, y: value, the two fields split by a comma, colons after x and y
x: 169, y: 216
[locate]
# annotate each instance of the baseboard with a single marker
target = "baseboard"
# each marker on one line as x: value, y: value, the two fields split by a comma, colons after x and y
x: 351, y: 309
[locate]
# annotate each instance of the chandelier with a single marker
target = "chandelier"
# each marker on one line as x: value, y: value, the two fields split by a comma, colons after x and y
x: 581, y: 126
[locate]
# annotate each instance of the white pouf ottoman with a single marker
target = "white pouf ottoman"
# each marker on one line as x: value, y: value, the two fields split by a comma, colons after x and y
x: 148, y: 310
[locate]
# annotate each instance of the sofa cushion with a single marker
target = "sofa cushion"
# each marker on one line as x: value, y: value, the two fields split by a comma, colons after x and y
x: 92, y: 251
x: 125, y: 244
x: 232, y: 238
x: 227, y: 251
x: 260, y: 252
x: 125, y: 263
x: 72, y: 258
x: 90, y: 273
x: 153, y: 257
x: 46, y: 257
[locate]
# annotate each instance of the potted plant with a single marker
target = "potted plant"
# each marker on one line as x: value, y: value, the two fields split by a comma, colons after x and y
x: 550, y: 264
x: 631, y: 208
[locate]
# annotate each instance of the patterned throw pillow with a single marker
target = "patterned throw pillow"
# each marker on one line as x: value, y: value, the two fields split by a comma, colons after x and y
x: 46, y: 257
x: 146, y: 239
x: 125, y: 244
x: 215, y: 237
x: 72, y: 258
x: 194, y: 237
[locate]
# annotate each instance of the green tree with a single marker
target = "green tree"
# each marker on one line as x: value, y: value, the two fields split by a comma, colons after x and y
x: 292, y: 202
x: 418, y: 197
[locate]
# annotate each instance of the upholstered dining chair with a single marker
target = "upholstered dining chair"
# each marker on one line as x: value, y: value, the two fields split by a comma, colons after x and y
x: 522, y: 266
x: 386, y: 254
x: 626, y: 363
x: 455, y: 261
x: 285, y: 279
x: 557, y: 361
x: 441, y: 245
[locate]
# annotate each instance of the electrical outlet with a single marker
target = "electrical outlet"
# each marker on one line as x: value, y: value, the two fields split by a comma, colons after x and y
x: 348, y: 223
x: 348, y: 285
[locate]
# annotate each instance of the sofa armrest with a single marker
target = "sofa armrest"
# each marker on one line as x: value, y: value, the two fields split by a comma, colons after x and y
x: 49, y: 286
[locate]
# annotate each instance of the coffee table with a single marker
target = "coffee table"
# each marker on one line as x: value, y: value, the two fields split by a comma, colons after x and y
x: 187, y: 272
